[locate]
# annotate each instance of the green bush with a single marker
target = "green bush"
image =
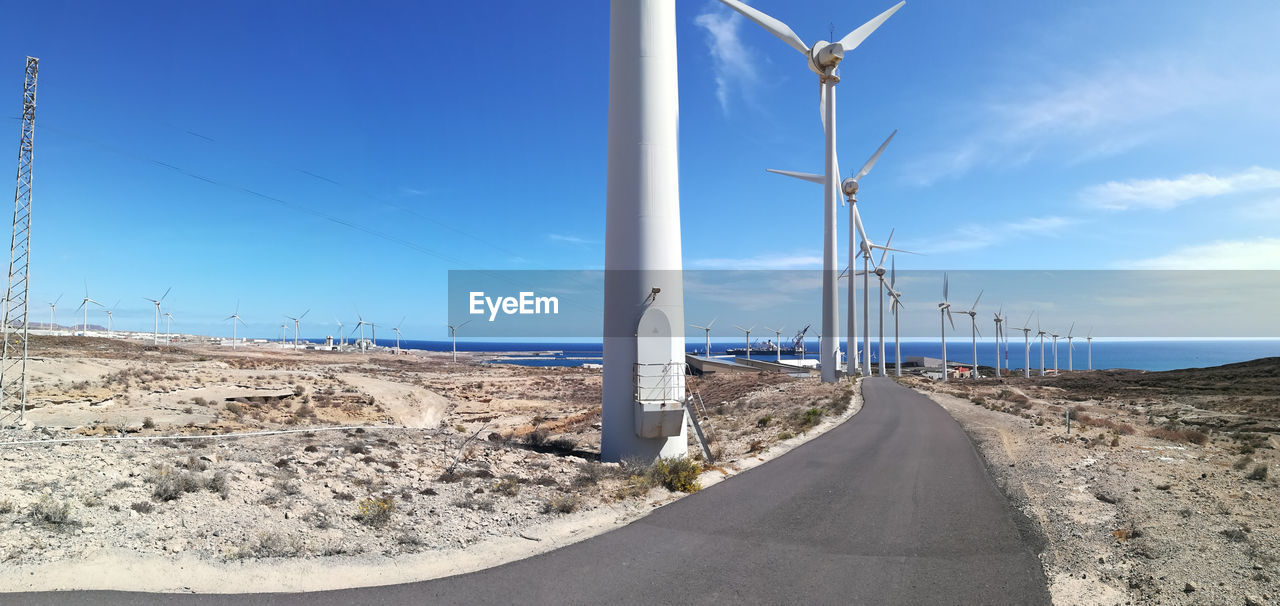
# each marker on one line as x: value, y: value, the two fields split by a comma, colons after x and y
x: 677, y: 473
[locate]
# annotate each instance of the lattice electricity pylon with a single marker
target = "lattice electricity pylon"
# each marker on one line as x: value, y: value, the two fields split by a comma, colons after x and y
x: 13, y: 365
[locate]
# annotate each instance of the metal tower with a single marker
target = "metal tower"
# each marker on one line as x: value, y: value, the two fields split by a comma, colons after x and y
x: 13, y: 365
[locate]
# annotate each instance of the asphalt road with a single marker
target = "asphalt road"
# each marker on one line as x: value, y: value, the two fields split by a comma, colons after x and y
x: 892, y: 507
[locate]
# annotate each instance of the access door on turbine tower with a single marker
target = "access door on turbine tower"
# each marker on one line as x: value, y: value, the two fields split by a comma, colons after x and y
x: 658, y: 381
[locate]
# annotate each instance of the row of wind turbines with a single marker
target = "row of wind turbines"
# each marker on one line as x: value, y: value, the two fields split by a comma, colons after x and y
x: 823, y: 58
x: 236, y: 320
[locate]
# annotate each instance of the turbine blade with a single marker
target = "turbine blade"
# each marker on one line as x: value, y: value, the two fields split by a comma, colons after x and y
x: 304, y: 314
x: 975, y: 301
x: 893, y: 271
x: 166, y: 293
x: 810, y: 177
x: 709, y: 324
x: 945, y: 282
x: 866, y: 168
x: 949, y: 319
x: 1028, y: 322
x: 1070, y: 330
x: 855, y: 37
x: 779, y: 28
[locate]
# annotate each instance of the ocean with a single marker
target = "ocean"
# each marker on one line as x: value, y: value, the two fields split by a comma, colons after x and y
x: 1137, y: 354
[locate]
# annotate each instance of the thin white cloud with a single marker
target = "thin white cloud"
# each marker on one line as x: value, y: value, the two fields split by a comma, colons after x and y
x: 570, y: 239
x: 1096, y: 114
x: 974, y: 236
x: 1164, y: 194
x: 779, y: 261
x: 1259, y: 253
x: 731, y: 60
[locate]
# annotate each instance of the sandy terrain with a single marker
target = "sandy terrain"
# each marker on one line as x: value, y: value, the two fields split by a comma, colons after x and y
x: 182, y: 465
x: 1145, y: 502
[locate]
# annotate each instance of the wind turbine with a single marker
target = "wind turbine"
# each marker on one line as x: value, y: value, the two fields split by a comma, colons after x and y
x: 235, y: 317
x: 707, y: 333
x: 84, y: 305
x: 1026, y: 346
x: 879, y: 272
x: 1055, y: 352
x: 944, y: 312
x: 823, y: 59
x: 777, y: 335
x: 1090, y: 341
x: 155, y: 332
x: 53, y: 306
x: 973, y: 319
x: 748, y: 331
x: 397, y: 329
x: 850, y: 188
x: 283, y: 328
x: 1070, y: 347
x: 295, y: 327
x: 453, y: 334
x: 168, y: 317
x: 360, y: 326
x: 341, y: 339
x: 999, y: 320
x: 109, y: 312
x: 896, y: 298
x: 1041, y: 333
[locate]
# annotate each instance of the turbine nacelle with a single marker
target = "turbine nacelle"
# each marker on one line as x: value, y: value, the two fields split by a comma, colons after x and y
x: 850, y: 188
x: 824, y: 57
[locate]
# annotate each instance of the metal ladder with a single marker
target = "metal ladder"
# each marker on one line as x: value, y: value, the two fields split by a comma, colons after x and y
x: 697, y: 410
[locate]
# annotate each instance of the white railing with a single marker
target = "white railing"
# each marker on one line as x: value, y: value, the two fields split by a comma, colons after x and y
x: 658, y: 382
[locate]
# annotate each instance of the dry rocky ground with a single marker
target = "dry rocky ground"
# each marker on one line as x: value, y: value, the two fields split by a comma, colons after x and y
x: 349, y: 456
x: 1165, y: 491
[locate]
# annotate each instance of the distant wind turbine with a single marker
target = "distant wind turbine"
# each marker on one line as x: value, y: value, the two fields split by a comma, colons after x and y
x: 397, y: 329
x: 1055, y: 352
x: 1070, y: 347
x: 1041, y: 333
x: 84, y: 305
x: 973, y: 319
x: 109, y: 312
x: 235, y: 317
x: 341, y: 336
x: 748, y: 331
x: 453, y: 334
x: 1089, y: 339
x: 155, y: 332
x: 1026, y: 346
x: 944, y: 311
x: 295, y: 327
x: 707, y: 333
x: 168, y: 317
x: 360, y: 327
x: 999, y: 320
x: 893, y: 308
x: 52, y: 307
x: 777, y: 335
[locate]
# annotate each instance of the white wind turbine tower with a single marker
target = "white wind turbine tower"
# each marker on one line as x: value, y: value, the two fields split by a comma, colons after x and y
x: 1089, y: 339
x: 823, y: 59
x: 1070, y: 347
x: 879, y: 272
x: 155, y: 332
x: 896, y: 302
x: 109, y: 312
x: 168, y: 317
x: 944, y: 312
x: 235, y: 317
x: 360, y: 327
x: 777, y: 335
x: 453, y: 334
x: 397, y: 329
x: 52, y: 307
x: 973, y: 319
x: 295, y: 327
x: 748, y: 331
x: 342, y: 340
x: 1026, y: 346
x: 850, y: 188
x: 707, y: 333
x: 1041, y: 333
x: 84, y: 305
x: 999, y: 333
x: 283, y: 328
x: 1055, y: 352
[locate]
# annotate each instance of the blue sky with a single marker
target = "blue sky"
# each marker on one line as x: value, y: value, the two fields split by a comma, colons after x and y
x: 288, y: 156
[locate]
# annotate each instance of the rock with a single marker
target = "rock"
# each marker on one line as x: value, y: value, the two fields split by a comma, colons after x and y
x: 1189, y: 587
x: 1253, y: 600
